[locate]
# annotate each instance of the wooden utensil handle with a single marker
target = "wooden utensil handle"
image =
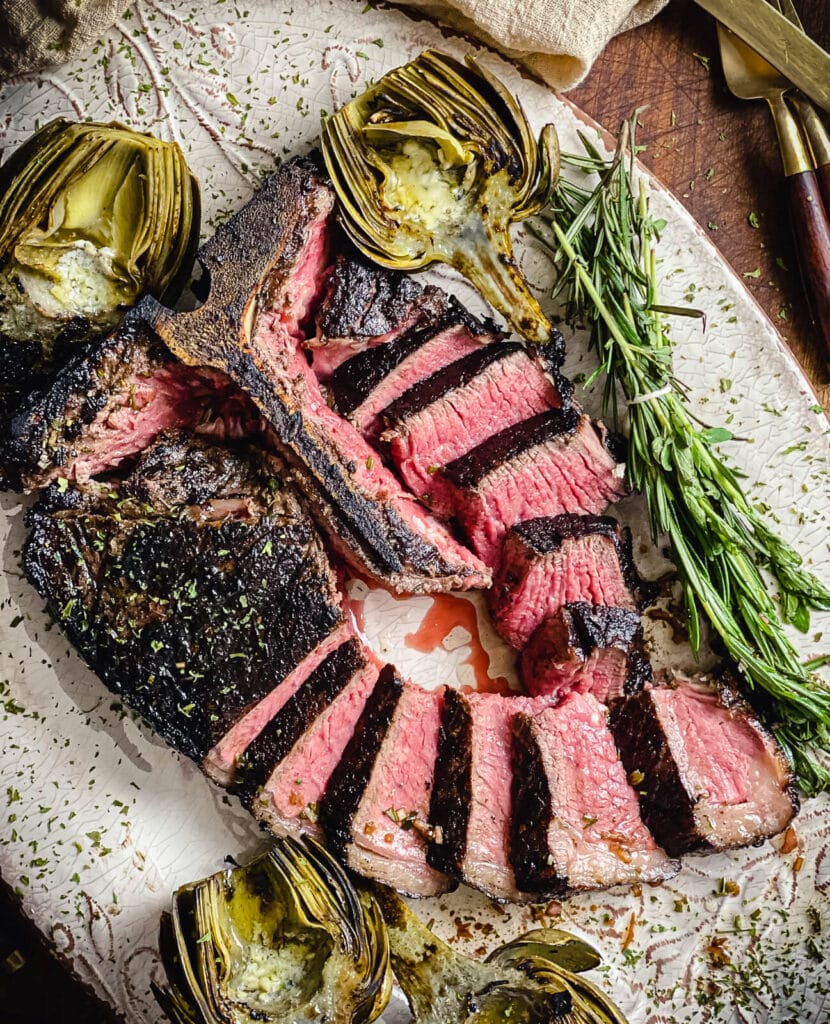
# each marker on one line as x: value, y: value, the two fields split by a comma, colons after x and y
x: 812, y: 235
x: 823, y: 175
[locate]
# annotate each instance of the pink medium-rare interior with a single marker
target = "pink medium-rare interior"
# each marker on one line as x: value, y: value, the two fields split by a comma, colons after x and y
x: 596, y: 836
x: 436, y: 353
x: 220, y: 762
x: 602, y: 673
x: 170, y: 397
x: 289, y: 799
x: 400, y: 787
x: 486, y: 863
x: 507, y: 392
x: 580, y: 569
x: 571, y: 474
x: 733, y: 771
x: 328, y: 353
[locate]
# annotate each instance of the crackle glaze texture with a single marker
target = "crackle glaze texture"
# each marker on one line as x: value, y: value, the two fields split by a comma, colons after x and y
x: 100, y: 821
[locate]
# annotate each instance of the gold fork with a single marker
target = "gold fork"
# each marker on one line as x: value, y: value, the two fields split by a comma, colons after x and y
x: 817, y: 135
x: 750, y: 77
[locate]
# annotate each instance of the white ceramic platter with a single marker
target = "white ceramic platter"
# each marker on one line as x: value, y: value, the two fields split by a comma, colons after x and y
x: 100, y: 821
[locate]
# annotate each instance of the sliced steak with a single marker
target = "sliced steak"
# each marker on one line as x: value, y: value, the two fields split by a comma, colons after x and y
x: 110, y: 402
x: 295, y: 777
x: 363, y: 386
x: 709, y: 776
x: 576, y: 818
x: 377, y: 800
x: 364, y: 305
x: 265, y: 266
x: 557, y: 461
x: 589, y: 648
x: 223, y: 758
x: 556, y: 560
x: 193, y: 614
x: 471, y: 806
x: 446, y: 415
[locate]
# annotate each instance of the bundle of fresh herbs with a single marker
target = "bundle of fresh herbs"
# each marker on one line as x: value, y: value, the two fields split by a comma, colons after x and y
x: 602, y: 239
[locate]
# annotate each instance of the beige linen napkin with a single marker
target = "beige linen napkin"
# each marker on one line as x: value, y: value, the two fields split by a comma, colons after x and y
x: 557, y: 39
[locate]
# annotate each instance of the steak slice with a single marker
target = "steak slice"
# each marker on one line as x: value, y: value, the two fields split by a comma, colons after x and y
x: 555, y: 462
x: 193, y: 614
x: 112, y: 401
x: 377, y: 800
x: 364, y: 305
x: 445, y: 416
x: 576, y: 819
x: 471, y: 806
x: 710, y: 776
x: 265, y: 265
x: 294, y: 777
x: 589, y: 648
x: 363, y: 386
x: 552, y: 561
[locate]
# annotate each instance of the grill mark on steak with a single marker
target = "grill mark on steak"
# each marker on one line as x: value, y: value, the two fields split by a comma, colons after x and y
x: 576, y: 822
x: 533, y: 866
x: 556, y: 560
x: 471, y: 469
x: 190, y: 617
x: 554, y: 462
x: 264, y: 268
x: 279, y: 736
x: 350, y: 778
x: 449, y: 807
x: 712, y: 777
x: 590, y: 648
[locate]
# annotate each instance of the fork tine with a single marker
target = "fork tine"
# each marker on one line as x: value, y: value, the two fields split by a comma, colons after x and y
x: 787, y: 8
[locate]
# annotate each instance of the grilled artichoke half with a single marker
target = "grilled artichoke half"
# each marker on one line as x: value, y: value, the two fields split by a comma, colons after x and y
x: 434, y: 163
x: 286, y: 938
x: 529, y: 981
x: 92, y: 216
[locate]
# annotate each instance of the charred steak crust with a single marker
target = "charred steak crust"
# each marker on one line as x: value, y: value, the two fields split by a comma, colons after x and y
x: 355, y: 379
x: 447, y: 379
x: 666, y: 806
x: 279, y: 736
x: 532, y: 810
x: 592, y: 627
x: 363, y: 300
x: 190, y: 620
x: 449, y: 808
x: 350, y: 778
x: 473, y: 467
x: 547, y: 533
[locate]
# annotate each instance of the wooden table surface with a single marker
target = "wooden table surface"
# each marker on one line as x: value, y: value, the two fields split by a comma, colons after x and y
x: 718, y: 154
x: 720, y: 157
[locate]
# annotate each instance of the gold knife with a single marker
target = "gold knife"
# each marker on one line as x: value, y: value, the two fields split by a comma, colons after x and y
x: 789, y: 50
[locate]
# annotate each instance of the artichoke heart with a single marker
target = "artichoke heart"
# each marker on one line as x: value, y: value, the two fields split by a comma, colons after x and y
x: 434, y: 163
x: 286, y: 938
x: 92, y: 216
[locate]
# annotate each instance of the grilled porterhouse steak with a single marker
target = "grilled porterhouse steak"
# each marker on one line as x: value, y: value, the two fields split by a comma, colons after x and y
x: 265, y: 266
x: 195, y: 610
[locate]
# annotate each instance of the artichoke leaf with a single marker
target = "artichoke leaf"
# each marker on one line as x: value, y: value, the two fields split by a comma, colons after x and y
x: 434, y: 163
x: 92, y: 216
x: 561, y: 948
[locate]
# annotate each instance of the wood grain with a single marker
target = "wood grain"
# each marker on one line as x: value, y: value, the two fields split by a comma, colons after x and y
x: 812, y: 235
x: 718, y: 154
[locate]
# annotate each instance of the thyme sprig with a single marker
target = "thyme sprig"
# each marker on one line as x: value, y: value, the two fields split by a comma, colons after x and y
x: 602, y: 239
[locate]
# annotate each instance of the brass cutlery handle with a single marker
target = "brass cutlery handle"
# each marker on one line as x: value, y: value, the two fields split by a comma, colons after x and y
x: 808, y: 216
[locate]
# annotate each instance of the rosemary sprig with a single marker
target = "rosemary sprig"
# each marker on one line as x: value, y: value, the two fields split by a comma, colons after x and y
x: 602, y: 240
